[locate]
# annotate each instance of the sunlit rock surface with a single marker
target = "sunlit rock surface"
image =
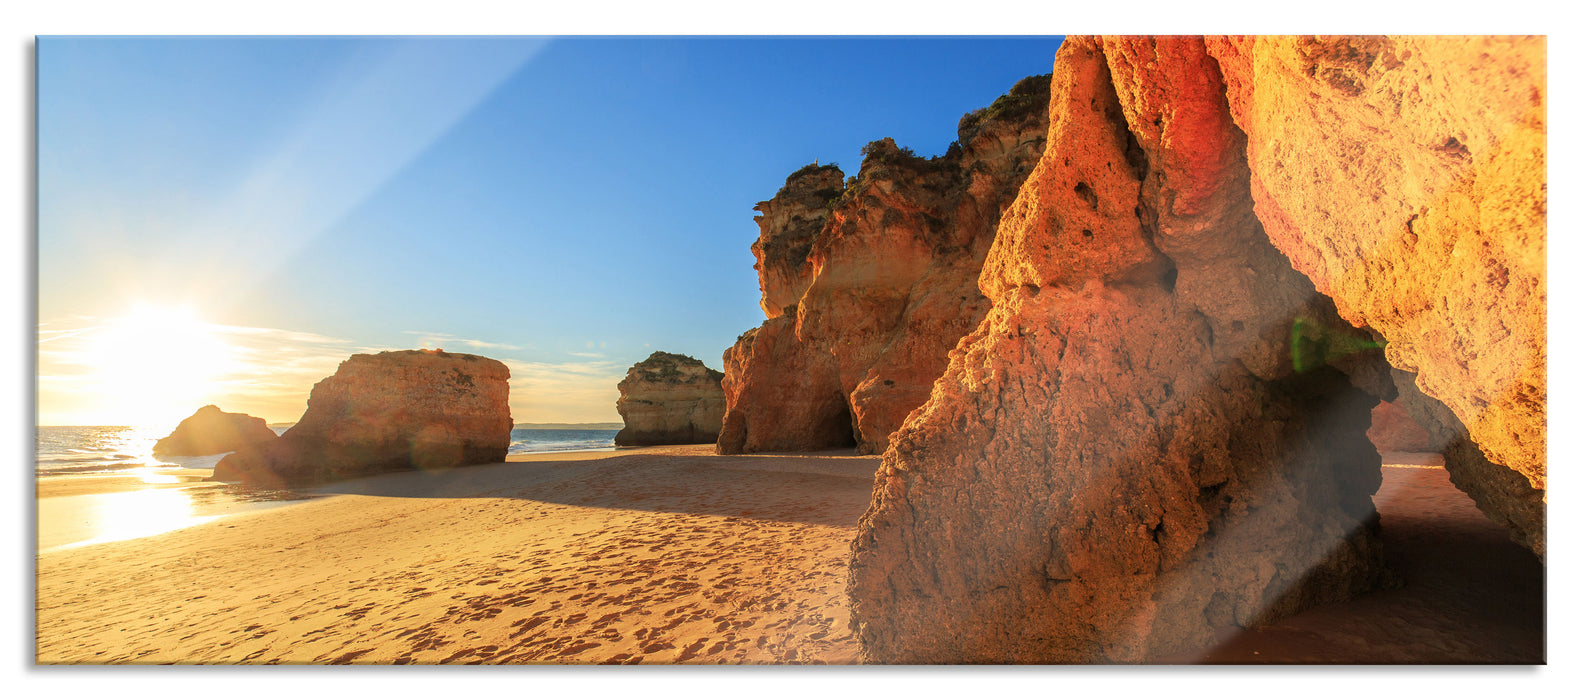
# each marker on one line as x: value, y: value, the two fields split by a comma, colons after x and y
x: 867, y: 292
x: 1142, y: 442
x: 1158, y: 430
x: 670, y: 399
x: 787, y: 225
x: 210, y: 431
x: 1406, y: 177
x: 393, y: 411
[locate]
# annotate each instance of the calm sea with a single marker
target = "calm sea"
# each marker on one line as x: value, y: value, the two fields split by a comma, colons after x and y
x: 88, y: 449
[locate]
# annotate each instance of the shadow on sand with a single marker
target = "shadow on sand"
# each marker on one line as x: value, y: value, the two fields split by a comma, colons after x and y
x: 812, y: 489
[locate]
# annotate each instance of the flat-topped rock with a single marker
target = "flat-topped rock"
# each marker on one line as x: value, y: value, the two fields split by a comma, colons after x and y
x: 393, y: 411
x: 670, y: 399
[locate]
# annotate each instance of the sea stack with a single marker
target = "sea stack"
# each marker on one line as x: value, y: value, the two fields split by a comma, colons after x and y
x: 868, y: 283
x: 670, y: 399
x: 1159, y: 429
x: 394, y: 411
x: 210, y: 431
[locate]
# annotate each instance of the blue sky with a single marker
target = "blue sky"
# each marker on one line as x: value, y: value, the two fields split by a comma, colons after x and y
x: 567, y: 205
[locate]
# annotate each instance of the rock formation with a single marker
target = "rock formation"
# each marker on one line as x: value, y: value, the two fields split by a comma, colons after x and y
x: 867, y: 286
x: 1125, y: 455
x: 1159, y: 429
x: 1503, y: 494
x: 1406, y: 177
x: 670, y: 399
x: 410, y: 409
x: 210, y: 431
x: 788, y: 223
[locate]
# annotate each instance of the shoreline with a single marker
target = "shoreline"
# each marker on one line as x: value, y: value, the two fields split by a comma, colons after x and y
x: 661, y: 555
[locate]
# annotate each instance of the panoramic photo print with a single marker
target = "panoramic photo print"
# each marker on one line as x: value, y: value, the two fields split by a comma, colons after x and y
x: 1048, y: 350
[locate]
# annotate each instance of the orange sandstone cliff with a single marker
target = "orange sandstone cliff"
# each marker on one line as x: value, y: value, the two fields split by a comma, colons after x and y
x: 867, y: 284
x: 393, y: 411
x: 1158, y: 431
x: 1406, y: 177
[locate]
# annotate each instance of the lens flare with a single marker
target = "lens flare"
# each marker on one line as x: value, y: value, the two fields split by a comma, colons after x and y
x: 1314, y: 345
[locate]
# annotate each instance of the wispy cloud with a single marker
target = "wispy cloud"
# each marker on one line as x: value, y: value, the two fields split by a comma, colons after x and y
x: 45, y: 336
x: 438, y: 340
x: 269, y: 372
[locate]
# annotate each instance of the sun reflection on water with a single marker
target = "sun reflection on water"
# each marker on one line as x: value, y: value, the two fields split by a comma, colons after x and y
x: 113, y: 517
x: 151, y: 475
x: 136, y: 445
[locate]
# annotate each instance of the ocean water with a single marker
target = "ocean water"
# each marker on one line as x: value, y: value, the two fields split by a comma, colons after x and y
x: 525, y: 441
x: 108, y: 449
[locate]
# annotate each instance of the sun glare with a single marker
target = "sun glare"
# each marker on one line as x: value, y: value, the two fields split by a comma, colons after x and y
x: 155, y: 365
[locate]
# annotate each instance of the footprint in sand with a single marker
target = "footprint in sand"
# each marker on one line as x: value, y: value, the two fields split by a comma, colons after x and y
x: 691, y: 650
x: 350, y: 656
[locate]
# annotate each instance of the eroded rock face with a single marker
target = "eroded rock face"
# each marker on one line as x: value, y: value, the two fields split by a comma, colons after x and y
x: 781, y: 395
x: 787, y: 225
x: 1141, y: 443
x: 886, y: 284
x: 210, y: 431
x: 670, y: 399
x: 1406, y: 177
x: 393, y: 411
x: 1501, y: 493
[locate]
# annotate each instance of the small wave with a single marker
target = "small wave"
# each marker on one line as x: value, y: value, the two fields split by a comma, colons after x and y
x: 54, y: 459
x: 521, y: 448
x: 111, y: 467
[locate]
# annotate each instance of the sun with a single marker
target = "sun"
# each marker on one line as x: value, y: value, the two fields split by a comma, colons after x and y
x: 156, y: 365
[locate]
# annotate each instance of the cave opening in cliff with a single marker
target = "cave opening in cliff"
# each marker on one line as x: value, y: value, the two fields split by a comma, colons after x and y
x: 843, y: 430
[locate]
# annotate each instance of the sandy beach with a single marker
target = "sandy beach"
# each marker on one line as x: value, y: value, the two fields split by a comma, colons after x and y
x: 657, y: 556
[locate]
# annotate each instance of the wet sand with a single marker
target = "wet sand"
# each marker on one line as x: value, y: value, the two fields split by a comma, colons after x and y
x: 657, y: 556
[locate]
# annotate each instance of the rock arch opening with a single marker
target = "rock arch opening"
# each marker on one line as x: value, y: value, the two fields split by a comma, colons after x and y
x: 1146, y: 459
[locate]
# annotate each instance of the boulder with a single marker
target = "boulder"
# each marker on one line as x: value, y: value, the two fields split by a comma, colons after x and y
x: 670, y: 399
x: 393, y: 411
x: 1405, y: 176
x: 867, y: 292
x: 210, y: 431
x: 1158, y: 431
